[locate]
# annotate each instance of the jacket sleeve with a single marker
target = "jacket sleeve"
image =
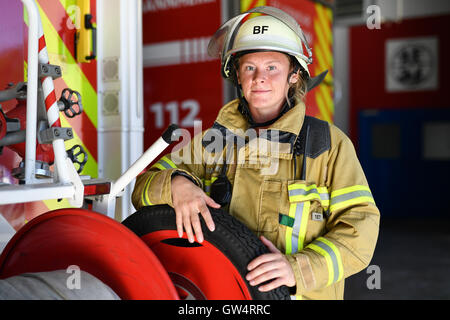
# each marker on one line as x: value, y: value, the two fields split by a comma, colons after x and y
x: 154, y: 185
x: 352, y: 227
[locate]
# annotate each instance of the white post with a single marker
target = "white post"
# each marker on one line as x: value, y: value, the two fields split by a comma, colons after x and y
x: 125, y: 92
x: 110, y: 102
x: 120, y: 129
x: 132, y: 124
x: 33, y: 49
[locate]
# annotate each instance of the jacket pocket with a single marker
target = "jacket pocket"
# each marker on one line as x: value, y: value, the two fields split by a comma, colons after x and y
x: 273, y: 200
x: 306, y: 214
x: 269, y: 206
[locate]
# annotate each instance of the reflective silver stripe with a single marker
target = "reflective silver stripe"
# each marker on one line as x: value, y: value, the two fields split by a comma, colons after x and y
x: 332, y: 256
x: 324, y: 196
x: 296, y: 226
x: 165, y: 164
x: 207, y: 185
x: 303, y: 192
x: 349, y: 196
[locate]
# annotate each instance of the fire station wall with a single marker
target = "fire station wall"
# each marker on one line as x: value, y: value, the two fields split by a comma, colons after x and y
x: 367, y: 67
x: 402, y: 134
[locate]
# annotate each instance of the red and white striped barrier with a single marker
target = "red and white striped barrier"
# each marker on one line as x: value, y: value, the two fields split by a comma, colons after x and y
x: 47, y: 85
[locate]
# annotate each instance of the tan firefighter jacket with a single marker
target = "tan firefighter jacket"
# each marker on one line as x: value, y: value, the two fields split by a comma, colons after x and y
x: 326, y: 224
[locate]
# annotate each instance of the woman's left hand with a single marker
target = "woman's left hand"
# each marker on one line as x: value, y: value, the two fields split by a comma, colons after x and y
x: 270, y: 266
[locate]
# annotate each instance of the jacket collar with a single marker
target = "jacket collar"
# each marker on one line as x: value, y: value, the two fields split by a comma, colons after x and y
x: 292, y: 121
x: 287, y: 127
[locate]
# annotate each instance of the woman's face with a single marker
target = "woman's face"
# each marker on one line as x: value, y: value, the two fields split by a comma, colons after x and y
x: 263, y: 77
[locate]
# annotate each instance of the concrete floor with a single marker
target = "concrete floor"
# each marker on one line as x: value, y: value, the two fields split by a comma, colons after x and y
x: 414, y: 260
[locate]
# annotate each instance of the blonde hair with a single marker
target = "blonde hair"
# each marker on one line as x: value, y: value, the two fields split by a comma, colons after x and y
x: 297, y: 91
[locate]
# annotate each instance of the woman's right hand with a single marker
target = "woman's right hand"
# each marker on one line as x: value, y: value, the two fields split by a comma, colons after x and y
x: 188, y: 201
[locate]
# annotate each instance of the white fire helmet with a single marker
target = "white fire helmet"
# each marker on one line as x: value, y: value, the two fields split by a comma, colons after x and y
x: 274, y: 31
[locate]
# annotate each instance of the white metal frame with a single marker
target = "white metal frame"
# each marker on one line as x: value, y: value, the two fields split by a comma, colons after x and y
x: 67, y: 183
x: 106, y: 203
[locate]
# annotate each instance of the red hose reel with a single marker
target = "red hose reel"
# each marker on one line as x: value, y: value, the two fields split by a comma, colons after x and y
x: 96, y: 244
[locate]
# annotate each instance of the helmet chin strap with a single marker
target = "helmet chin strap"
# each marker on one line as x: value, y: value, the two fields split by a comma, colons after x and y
x: 245, y: 111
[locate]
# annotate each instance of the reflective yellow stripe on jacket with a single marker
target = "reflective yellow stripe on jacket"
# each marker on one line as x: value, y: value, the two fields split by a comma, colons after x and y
x: 332, y: 257
x: 350, y: 196
x: 145, y: 199
x: 302, y: 192
x: 207, y: 185
x: 162, y: 164
x: 300, y: 196
x: 295, y: 235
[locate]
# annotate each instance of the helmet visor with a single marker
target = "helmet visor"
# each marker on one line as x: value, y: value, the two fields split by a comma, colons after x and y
x: 221, y: 39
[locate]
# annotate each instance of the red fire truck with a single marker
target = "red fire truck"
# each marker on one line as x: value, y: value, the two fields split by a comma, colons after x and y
x: 85, y: 87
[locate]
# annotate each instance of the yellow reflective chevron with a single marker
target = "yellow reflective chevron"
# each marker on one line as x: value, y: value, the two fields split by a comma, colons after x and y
x: 349, y: 196
x: 323, y: 57
x: 332, y: 256
x: 73, y: 76
x: 164, y: 163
